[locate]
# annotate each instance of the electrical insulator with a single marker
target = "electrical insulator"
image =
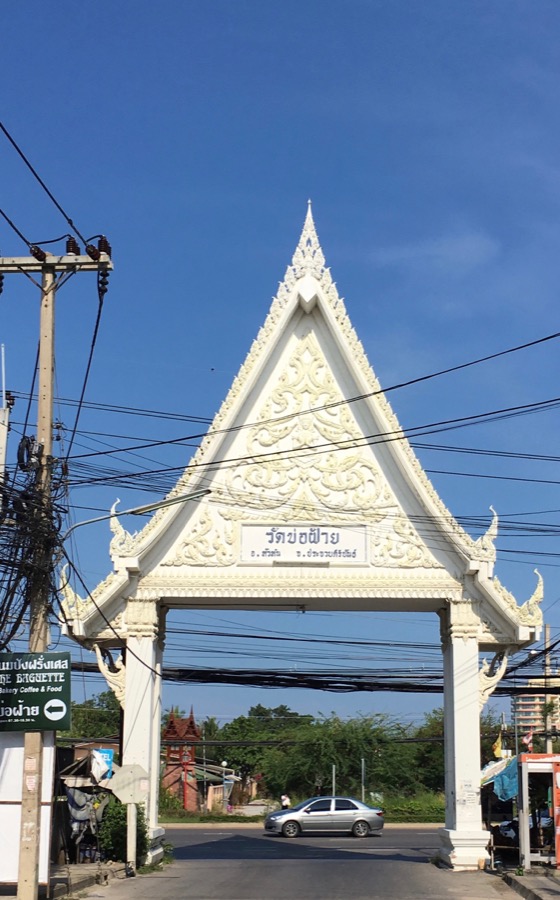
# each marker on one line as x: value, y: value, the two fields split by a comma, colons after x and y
x: 39, y: 254
x: 103, y: 282
x: 1, y: 282
x: 104, y: 245
x: 93, y: 252
x: 72, y: 248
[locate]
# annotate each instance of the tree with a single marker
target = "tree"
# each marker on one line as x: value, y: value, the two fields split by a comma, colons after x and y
x: 429, y: 764
x: 96, y: 718
x: 306, y: 767
x: 210, y: 729
x: 260, y: 724
x: 429, y: 754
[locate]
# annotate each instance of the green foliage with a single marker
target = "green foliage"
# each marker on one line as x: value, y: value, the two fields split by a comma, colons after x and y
x: 423, y: 807
x: 169, y: 802
x: 112, y: 832
x: 306, y: 768
x: 298, y: 752
x: 210, y: 729
x: 96, y: 718
x: 429, y: 754
x: 261, y: 724
x: 183, y: 815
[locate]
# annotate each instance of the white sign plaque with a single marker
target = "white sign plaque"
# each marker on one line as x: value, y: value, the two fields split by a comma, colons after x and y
x: 300, y: 544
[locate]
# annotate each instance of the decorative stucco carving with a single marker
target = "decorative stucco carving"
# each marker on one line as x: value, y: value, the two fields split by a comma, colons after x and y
x: 401, y: 548
x: 309, y: 262
x: 492, y: 632
x: 210, y: 541
x: 485, y: 545
x: 123, y: 543
x: 301, y: 482
x: 531, y: 613
x: 464, y: 619
x: 505, y: 596
x: 114, y: 673
x: 283, y: 583
x: 73, y: 606
x: 295, y: 477
x: 491, y: 674
x: 142, y: 618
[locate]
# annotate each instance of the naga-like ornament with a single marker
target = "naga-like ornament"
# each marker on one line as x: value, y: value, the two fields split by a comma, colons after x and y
x: 491, y: 674
x: 114, y: 673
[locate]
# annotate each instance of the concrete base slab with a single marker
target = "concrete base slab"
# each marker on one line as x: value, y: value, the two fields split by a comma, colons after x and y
x: 463, y: 850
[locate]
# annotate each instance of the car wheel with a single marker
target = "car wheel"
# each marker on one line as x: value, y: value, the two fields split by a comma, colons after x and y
x: 360, y: 829
x: 290, y: 829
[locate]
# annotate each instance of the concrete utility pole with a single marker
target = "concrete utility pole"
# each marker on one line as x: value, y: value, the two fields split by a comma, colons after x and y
x: 547, y: 699
x: 38, y: 585
x: 5, y: 407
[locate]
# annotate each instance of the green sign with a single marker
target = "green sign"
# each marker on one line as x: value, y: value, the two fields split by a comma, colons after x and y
x: 34, y: 691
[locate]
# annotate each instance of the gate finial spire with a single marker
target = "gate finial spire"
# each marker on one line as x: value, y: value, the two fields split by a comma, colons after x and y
x: 308, y: 256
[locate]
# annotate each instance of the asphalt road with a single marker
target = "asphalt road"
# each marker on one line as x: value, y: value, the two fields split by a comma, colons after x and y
x: 246, y: 864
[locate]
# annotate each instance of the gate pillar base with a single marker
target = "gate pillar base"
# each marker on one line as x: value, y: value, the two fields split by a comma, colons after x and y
x: 464, y: 850
x: 155, y: 847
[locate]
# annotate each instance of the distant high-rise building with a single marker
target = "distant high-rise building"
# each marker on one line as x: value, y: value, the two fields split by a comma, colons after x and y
x: 527, y: 709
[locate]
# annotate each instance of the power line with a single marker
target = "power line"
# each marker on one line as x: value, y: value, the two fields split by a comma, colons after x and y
x: 41, y: 182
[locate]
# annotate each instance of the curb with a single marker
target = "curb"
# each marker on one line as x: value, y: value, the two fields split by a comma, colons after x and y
x: 522, y: 889
x: 68, y: 881
x: 545, y: 886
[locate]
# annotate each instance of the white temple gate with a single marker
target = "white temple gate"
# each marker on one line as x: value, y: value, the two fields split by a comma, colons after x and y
x: 317, y: 502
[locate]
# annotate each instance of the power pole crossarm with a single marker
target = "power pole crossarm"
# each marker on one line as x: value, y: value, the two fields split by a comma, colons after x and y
x: 67, y: 263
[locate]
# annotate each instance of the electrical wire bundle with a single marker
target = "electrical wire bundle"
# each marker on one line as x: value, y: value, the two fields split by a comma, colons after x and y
x: 29, y: 532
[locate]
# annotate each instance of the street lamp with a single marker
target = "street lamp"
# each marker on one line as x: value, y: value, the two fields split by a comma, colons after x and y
x: 224, y: 798
x: 139, y: 510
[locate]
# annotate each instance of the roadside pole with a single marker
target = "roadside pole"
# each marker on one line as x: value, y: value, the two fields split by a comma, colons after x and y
x: 38, y: 598
x: 547, y: 699
x: 38, y: 585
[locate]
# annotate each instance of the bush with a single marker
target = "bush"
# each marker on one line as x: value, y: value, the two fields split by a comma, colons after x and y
x: 424, y: 807
x: 169, y: 802
x: 112, y: 832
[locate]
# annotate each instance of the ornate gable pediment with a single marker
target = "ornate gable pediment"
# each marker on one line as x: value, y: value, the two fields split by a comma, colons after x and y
x: 315, y: 491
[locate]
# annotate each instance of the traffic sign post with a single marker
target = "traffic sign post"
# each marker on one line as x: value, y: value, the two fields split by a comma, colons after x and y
x: 130, y: 784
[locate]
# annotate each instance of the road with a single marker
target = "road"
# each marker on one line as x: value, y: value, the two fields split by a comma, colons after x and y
x: 222, y: 863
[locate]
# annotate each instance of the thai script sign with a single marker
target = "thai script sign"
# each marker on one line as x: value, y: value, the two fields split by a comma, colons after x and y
x: 262, y: 544
x: 34, y: 691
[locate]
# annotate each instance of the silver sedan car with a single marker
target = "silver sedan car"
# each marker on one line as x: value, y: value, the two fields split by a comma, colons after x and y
x: 326, y: 814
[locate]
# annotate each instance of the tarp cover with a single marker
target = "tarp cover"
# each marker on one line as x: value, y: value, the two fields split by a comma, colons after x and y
x: 505, y: 783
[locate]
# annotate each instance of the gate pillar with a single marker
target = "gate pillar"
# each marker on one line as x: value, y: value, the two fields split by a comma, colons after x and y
x: 463, y: 840
x: 142, y: 707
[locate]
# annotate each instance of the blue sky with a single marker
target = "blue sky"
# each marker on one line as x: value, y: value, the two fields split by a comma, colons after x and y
x: 192, y: 134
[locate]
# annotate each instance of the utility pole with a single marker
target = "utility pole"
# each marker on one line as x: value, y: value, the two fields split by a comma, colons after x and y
x: 548, y: 717
x: 5, y: 407
x: 96, y: 260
